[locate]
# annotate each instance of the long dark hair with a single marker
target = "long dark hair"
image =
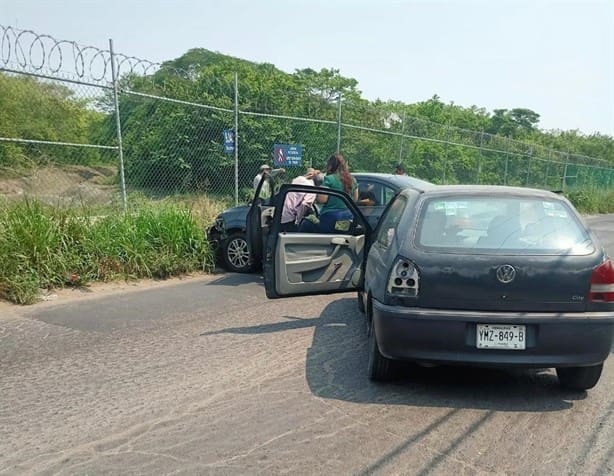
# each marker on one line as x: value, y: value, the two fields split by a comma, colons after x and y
x: 337, y: 165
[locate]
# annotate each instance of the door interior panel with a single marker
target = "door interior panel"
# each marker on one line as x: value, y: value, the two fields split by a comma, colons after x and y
x: 308, y: 262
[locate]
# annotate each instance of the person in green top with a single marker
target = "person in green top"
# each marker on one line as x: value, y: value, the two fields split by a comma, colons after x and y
x: 338, y: 177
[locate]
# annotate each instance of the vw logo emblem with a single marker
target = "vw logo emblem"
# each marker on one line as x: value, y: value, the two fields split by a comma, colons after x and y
x: 506, y: 273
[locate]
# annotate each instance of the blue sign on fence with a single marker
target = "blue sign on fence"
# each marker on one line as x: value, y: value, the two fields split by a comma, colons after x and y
x: 229, y: 141
x: 287, y: 155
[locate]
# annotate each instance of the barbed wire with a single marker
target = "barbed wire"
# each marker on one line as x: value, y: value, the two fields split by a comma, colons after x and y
x: 32, y: 52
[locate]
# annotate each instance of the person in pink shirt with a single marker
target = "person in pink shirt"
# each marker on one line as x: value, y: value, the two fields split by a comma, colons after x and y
x: 297, y: 204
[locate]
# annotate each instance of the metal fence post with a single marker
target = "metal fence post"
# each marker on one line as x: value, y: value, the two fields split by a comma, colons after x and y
x: 564, y: 177
x: 339, y: 123
x: 548, y: 168
x: 122, y: 177
x: 529, y: 167
x: 236, y: 134
x: 402, y: 138
x: 480, y: 156
x: 445, y: 158
x: 507, y: 157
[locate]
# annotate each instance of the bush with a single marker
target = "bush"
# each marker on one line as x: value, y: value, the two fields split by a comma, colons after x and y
x: 592, y: 201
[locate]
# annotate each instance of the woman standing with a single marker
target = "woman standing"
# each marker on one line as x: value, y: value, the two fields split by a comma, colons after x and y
x: 338, y: 177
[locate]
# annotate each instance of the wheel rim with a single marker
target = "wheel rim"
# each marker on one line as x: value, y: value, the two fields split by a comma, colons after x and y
x: 238, y: 253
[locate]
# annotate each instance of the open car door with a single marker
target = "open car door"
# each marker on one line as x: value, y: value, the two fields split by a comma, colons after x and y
x: 259, y: 216
x: 316, y: 259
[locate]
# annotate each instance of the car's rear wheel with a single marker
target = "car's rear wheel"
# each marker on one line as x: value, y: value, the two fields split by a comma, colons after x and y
x: 380, y: 367
x: 235, y: 253
x: 579, y: 378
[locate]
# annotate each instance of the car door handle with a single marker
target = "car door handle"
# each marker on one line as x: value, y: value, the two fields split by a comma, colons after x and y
x: 340, y: 241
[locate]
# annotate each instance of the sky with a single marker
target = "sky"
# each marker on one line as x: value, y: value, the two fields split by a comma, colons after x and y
x: 554, y: 57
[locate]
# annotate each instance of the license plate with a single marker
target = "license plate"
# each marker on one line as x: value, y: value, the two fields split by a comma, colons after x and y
x: 501, y: 336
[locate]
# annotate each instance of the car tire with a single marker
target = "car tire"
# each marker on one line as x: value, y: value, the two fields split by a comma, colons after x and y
x: 235, y: 254
x: 380, y: 367
x: 579, y: 378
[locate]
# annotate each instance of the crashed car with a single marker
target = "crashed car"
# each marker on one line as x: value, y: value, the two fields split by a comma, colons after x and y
x: 228, y: 234
x: 465, y: 275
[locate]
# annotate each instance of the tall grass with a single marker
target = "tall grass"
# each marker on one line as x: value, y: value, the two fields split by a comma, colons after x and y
x: 592, y: 201
x: 49, y: 247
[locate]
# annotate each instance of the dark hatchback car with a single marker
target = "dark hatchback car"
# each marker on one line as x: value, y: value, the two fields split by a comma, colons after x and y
x: 471, y: 275
x: 228, y: 234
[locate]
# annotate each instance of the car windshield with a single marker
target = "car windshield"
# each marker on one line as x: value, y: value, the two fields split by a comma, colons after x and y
x: 486, y: 223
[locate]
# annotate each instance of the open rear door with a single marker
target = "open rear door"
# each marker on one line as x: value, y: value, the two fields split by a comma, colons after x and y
x: 319, y: 258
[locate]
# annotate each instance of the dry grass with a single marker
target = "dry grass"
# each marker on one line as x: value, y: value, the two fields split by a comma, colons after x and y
x: 69, y: 185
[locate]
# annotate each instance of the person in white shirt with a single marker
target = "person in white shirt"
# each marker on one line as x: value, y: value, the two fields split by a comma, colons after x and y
x: 265, y: 190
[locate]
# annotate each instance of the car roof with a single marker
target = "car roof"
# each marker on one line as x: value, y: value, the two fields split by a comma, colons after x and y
x: 398, y: 181
x: 500, y: 190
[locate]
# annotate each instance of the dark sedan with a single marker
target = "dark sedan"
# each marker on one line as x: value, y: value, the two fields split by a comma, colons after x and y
x: 472, y: 275
x: 228, y: 233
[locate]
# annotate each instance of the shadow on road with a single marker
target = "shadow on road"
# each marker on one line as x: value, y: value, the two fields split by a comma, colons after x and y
x: 291, y: 324
x: 336, y: 368
x: 237, y: 279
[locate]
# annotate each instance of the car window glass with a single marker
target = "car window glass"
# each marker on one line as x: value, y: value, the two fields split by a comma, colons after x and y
x: 390, y: 220
x: 510, y: 223
x: 371, y: 193
x: 318, y: 213
x: 388, y: 194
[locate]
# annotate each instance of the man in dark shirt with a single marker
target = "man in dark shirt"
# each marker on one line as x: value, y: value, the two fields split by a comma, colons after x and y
x: 399, y: 169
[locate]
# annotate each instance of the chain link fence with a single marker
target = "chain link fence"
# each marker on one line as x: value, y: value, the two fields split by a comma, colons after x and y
x: 80, y: 125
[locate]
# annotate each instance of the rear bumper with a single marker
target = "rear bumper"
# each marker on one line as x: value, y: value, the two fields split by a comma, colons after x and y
x: 449, y: 337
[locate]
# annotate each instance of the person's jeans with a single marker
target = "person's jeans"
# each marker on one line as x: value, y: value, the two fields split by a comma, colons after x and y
x: 329, y: 219
x: 288, y: 227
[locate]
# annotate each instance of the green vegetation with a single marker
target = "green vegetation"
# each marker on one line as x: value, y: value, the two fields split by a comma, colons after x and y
x: 46, y: 247
x: 46, y: 111
x: 592, y: 202
x: 176, y: 150
x: 173, y: 147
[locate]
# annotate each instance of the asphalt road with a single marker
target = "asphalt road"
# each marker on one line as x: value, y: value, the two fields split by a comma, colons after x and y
x: 209, y: 377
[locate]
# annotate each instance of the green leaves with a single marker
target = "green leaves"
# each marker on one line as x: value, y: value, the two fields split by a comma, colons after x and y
x: 33, y: 109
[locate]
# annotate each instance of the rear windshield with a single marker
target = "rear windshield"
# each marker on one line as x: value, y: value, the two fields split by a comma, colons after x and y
x: 484, y: 223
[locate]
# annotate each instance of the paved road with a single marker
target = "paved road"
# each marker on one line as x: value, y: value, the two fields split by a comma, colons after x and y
x: 208, y: 377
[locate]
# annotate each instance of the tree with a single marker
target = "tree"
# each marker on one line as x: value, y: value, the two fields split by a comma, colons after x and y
x: 38, y: 110
x: 172, y: 147
x: 517, y: 123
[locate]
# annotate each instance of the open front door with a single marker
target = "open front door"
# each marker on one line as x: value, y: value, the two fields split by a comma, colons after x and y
x: 260, y: 205
x: 323, y: 253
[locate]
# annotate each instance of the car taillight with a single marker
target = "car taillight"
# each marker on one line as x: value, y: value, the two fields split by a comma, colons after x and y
x: 602, y: 282
x: 403, y: 279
